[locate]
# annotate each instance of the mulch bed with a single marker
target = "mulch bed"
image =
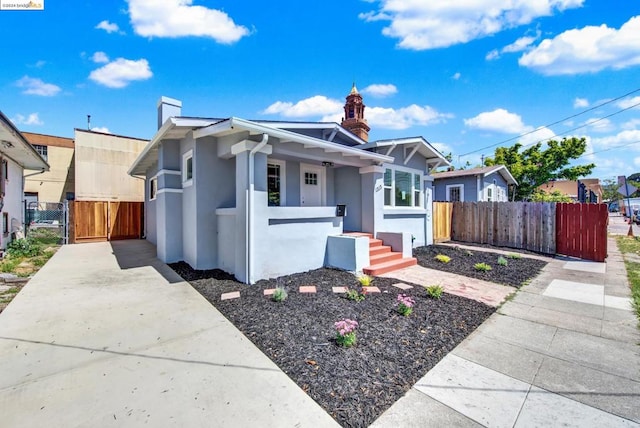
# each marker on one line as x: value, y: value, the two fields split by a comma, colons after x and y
x: 354, y: 385
x: 516, y: 273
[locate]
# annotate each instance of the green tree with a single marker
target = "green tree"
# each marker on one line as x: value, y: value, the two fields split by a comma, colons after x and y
x: 610, y: 190
x: 555, y: 196
x: 534, y: 165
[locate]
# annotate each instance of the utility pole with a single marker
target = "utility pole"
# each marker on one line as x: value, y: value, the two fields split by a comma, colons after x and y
x: 88, y: 122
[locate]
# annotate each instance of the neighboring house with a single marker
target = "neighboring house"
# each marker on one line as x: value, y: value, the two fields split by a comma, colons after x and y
x: 486, y: 184
x: 261, y: 199
x: 58, y: 183
x: 16, y: 157
x: 593, y: 188
x: 101, y: 164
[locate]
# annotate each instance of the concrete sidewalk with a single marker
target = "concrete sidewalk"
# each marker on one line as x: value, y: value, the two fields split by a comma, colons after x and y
x: 563, y: 352
x: 106, y: 335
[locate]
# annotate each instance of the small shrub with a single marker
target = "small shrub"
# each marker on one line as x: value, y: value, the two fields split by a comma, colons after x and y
x: 23, y: 248
x: 442, y: 258
x: 514, y: 256
x: 405, y: 305
x: 434, y: 291
x: 365, y: 280
x: 468, y: 253
x: 355, y: 295
x: 483, y: 267
x: 279, y: 294
x: 9, y: 265
x: 502, y: 261
x: 346, y: 332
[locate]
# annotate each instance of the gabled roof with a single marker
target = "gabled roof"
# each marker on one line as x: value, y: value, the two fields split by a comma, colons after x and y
x: 48, y: 140
x: 483, y: 171
x: 433, y: 156
x: 179, y: 127
x: 14, y: 146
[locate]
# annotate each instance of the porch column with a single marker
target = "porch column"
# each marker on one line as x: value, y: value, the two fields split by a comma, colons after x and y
x: 251, y: 204
x: 169, y: 204
x: 372, y: 179
x: 428, y: 205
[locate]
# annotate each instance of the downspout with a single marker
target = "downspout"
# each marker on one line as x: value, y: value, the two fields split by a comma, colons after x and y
x: 249, y: 204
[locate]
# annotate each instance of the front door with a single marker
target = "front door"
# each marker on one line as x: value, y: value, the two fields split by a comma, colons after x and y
x: 311, y: 185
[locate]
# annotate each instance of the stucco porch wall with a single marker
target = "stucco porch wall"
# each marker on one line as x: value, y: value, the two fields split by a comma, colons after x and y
x: 408, y: 221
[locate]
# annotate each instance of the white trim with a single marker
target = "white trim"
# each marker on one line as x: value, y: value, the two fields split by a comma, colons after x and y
x: 321, y: 179
x: 413, y: 173
x: 370, y: 169
x: 151, y: 186
x: 165, y: 172
x: 168, y: 191
x: 186, y: 182
x: 449, y: 186
x: 283, y: 178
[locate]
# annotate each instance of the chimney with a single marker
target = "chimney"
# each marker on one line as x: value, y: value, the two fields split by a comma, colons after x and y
x: 168, y: 107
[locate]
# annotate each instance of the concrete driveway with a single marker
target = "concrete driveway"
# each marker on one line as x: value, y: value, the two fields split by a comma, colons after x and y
x: 106, y: 335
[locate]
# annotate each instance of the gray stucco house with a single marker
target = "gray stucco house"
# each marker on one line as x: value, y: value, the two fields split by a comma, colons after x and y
x: 260, y: 199
x: 486, y: 184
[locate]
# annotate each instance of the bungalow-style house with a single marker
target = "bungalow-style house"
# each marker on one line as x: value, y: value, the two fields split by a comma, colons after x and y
x: 485, y: 184
x: 593, y: 189
x: 261, y: 199
x: 16, y: 156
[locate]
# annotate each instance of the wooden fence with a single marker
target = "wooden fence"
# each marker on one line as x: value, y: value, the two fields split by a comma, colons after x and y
x: 91, y: 221
x: 581, y: 230
x: 442, y: 215
x: 522, y: 225
x: 577, y: 230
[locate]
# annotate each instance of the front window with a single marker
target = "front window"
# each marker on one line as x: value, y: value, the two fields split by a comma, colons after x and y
x: 402, y: 188
x: 276, y: 183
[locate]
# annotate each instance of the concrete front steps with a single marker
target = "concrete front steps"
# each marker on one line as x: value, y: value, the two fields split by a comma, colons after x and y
x: 381, y: 258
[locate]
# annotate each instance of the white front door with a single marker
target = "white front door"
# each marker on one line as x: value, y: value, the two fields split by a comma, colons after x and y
x: 311, y: 185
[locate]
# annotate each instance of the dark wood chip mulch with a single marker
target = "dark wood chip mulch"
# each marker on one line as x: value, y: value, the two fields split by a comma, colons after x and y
x: 354, y: 385
x: 516, y: 273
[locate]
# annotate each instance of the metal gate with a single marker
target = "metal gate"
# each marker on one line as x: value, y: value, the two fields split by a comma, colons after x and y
x: 50, y: 216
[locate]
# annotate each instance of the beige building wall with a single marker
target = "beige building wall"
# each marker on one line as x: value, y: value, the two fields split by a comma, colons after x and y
x: 53, y: 185
x: 101, y: 165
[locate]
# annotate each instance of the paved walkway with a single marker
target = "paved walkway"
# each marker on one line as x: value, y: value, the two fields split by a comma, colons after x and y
x: 563, y: 352
x: 106, y: 335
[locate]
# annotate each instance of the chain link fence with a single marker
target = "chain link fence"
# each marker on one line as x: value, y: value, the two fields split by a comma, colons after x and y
x: 50, y: 218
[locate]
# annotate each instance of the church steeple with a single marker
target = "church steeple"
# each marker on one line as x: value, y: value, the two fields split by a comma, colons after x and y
x: 354, y: 119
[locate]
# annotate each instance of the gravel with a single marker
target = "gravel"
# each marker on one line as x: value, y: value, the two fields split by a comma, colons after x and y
x: 354, y: 385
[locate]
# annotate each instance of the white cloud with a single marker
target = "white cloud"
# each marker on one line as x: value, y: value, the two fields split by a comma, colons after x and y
x: 456, y: 76
x: 580, y: 103
x: 121, y: 72
x: 498, y: 120
x: 107, y: 26
x: 622, y: 137
x: 380, y: 90
x: 443, y: 148
x: 39, y: 64
x: 587, y: 50
x: 102, y: 129
x: 491, y: 55
x: 420, y: 24
x: 331, y: 110
x: 314, y: 106
x: 35, y: 86
x: 405, y: 117
x: 31, y: 119
x: 599, y: 125
x: 629, y: 102
x: 100, y: 57
x: 631, y: 124
x: 519, y: 45
x: 179, y: 18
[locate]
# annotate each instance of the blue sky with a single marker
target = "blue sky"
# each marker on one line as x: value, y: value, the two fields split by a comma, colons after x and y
x: 466, y: 75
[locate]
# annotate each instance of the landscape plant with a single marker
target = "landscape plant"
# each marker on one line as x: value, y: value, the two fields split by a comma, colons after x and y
x: 502, y: 261
x: 442, y: 258
x: 352, y: 294
x: 346, y: 332
x: 514, y: 256
x: 279, y: 294
x: 365, y: 280
x: 405, y: 305
x: 483, y: 267
x: 434, y: 291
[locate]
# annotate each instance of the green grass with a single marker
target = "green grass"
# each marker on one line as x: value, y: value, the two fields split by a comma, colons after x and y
x: 483, y: 267
x: 442, y: 258
x: 629, y: 245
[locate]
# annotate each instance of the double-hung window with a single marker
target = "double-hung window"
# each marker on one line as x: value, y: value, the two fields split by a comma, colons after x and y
x: 187, y: 169
x: 402, y: 188
x: 276, y: 182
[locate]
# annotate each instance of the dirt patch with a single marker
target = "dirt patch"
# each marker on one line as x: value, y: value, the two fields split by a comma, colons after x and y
x: 354, y: 385
x: 516, y: 272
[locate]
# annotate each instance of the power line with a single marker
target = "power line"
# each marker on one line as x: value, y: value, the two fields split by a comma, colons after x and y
x: 555, y: 123
x: 609, y: 149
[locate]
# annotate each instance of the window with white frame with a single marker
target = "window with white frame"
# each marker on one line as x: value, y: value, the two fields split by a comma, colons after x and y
x: 489, y: 194
x: 187, y: 168
x: 276, y: 182
x: 402, y: 187
x: 153, y: 188
x: 455, y: 193
x: 42, y: 150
